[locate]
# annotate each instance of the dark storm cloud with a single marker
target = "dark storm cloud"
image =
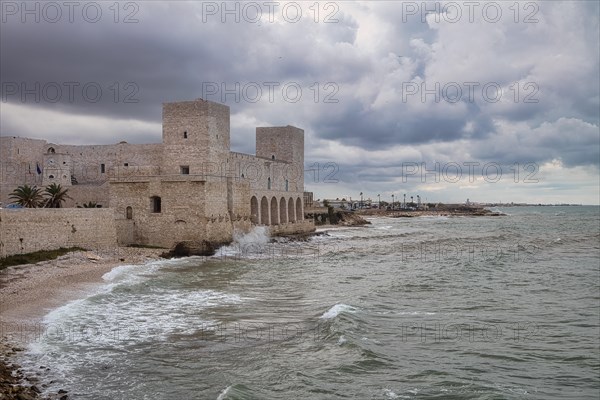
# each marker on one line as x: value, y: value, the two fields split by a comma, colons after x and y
x: 375, y: 48
x: 168, y: 55
x: 398, y: 123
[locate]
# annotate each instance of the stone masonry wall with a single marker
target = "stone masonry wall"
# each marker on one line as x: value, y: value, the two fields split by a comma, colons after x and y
x: 29, y: 230
x: 88, y: 164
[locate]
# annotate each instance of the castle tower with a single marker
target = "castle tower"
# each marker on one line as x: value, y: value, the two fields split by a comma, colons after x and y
x: 195, y: 136
x: 284, y: 143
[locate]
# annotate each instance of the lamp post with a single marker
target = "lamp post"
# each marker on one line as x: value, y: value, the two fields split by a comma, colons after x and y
x: 379, y: 201
x: 404, y: 203
x: 392, y: 202
x: 361, y: 200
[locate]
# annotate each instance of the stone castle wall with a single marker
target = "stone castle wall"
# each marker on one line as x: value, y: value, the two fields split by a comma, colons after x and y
x: 204, y: 191
x: 28, y: 230
x: 90, y: 165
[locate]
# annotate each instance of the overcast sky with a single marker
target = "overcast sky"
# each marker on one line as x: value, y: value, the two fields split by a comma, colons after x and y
x: 490, y: 101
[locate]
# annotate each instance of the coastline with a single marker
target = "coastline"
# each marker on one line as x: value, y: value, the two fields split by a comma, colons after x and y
x: 29, y: 292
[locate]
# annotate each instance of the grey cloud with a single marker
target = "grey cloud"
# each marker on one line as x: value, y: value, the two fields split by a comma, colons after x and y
x: 369, y: 53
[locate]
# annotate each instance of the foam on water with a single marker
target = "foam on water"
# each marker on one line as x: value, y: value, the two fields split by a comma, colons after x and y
x: 246, y: 245
x: 390, y: 394
x: 223, y: 394
x: 336, y: 310
x: 129, y: 274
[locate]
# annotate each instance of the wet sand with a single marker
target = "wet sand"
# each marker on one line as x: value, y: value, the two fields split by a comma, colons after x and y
x: 29, y: 292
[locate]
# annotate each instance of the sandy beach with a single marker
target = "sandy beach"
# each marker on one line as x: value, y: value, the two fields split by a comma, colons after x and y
x: 29, y: 292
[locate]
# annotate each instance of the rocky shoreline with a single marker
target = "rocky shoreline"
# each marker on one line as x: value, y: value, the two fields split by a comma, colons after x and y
x: 15, y: 384
x: 28, y: 292
x: 464, y: 211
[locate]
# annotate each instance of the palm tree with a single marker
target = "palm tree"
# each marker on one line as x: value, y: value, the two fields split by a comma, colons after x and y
x: 90, y: 204
x: 55, y: 196
x: 27, y: 196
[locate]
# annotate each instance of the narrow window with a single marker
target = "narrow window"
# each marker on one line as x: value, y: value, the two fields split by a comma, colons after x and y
x: 269, y: 183
x: 126, y: 164
x: 129, y: 212
x: 185, y: 169
x: 102, y: 168
x: 156, y: 204
x: 286, y: 185
x: 272, y: 156
x: 185, y: 134
x: 51, y: 176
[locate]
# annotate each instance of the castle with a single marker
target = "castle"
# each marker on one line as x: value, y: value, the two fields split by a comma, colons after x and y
x: 188, y: 189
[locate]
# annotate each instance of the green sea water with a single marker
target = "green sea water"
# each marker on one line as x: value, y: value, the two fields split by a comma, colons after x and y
x: 425, y: 308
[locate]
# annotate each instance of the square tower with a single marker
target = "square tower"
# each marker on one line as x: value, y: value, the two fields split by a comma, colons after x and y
x: 195, y: 136
x: 283, y: 143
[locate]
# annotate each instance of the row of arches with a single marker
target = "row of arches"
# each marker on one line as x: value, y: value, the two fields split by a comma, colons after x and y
x: 275, y: 212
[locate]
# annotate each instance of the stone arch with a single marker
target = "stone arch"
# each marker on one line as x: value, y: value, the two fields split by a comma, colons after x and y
x: 264, y: 211
x: 291, y: 213
x: 299, y: 216
x: 254, y: 210
x: 283, y: 211
x: 51, y: 150
x: 274, y: 212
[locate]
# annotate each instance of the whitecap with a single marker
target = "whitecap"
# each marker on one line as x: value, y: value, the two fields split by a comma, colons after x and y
x: 224, y: 393
x: 415, y: 313
x: 246, y: 245
x: 336, y: 310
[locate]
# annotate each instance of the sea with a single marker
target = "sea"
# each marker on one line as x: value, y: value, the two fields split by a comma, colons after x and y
x: 503, y: 307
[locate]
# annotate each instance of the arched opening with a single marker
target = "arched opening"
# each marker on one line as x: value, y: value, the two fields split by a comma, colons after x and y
x: 299, y: 216
x: 254, y: 210
x: 155, y: 204
x: 264, y: 211
x: 51, y: 150
x: 274, y: 213
x: 282, y: 211
x: 291, y: 213
x: 129, y: 213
